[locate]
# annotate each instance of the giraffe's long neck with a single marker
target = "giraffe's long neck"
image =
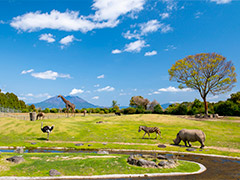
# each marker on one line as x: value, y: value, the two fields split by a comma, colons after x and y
x: 64, y: 100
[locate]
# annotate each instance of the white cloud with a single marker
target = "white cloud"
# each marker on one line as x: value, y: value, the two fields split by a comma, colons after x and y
x: 135, y: 46
x: 67, y: 40
x: 150, y: 26
x: 106, y: 15
x: 174, y: 102
x: 47, y: 37
x: 146, y: 28
x: 164, y: 15
x: 171, y: 4
x: 2, y: 22
x: 107, y: 88
x: 96, y: 85
x: 116, y: 51
x: 42, y: 95
x: 50, y: 75
x: 29, y: 95
x: 198, y: 14
x: 66, y: 21
x: 173, y: 89
x: 27, y: 71
x: 150, y: 53
x: 170, y: 47
x: 213, y: 97
x: 95, y: 97
x: 111, y: 9
x: 100, y: 77
x: 122, y: 94
x: 165, y: 28
x: 22, y: 98
x: 76, y: 91
x: 129, y: 35
x: 155, y: 92
x: 221, y: 1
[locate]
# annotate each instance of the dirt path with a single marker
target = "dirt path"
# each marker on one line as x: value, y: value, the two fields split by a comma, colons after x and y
x: 141, y: 144
x: 208, y: 119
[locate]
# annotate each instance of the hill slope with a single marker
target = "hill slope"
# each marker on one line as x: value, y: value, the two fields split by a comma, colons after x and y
x: 56, y: 102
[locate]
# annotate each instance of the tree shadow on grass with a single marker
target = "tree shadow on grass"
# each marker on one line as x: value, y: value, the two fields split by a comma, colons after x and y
x: 177, y: 145
x: 42, y: 139
x: 153, y: 138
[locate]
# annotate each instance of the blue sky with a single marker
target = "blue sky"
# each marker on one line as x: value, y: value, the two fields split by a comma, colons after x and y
x: 104, y: 50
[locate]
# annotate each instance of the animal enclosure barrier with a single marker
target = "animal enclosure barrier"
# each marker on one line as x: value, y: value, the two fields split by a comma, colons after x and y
x: 26, y: 116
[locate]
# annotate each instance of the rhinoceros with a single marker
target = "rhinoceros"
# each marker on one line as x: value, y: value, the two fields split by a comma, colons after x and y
x: 190, y: 135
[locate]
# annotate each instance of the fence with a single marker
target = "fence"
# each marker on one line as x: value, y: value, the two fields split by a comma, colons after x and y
x: 9, y: 110
x: 26, y: 116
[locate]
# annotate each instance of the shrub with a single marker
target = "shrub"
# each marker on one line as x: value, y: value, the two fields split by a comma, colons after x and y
x: 157, y: 109
x: 140, y: 110
x: 101, y: 112
x: 54, y: 110
x: 47, y: 110
x: 129, y: 110
x: 77, y: 111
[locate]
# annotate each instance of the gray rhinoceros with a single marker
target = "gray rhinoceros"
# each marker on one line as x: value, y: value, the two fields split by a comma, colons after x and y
x: 190, y: 135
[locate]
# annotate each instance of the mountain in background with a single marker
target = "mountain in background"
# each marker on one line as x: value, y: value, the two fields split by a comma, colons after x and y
x: 165, y: 106
x: 56, y: 102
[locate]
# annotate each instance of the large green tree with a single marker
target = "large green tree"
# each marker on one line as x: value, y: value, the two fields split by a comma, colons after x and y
x: 206, y: 73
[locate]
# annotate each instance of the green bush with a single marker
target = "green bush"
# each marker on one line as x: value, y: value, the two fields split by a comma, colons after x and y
x: 54, y: 110
x: 47, y: 110
x: 129, y: 110
x: 101, y: 112
x: 158, y: 109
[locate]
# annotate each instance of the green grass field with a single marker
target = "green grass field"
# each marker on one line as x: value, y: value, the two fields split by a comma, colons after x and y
x: 39, y: 164
x: 121, y: 132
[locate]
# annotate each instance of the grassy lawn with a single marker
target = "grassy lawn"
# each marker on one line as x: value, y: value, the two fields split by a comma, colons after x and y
x: 38, y: 164
x: 117, y: 131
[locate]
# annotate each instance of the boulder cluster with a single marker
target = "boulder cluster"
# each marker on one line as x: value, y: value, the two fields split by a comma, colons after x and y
x: 150, y: 161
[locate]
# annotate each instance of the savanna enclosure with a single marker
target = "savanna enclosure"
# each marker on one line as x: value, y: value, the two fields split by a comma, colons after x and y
x: 121, y: 132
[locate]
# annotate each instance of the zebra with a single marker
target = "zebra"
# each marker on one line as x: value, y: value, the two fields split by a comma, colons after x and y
x: 150, y: 130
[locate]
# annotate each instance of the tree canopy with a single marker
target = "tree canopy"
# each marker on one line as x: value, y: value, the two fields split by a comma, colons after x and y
x: 10, y: 100
x: 139, y: 101
x: 206, y: 73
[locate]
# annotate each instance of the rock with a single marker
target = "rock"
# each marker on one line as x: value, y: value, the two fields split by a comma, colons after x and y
x: 205, y: 116
x: 197, y: 115
x: 99, y: 122
x: 215, y: 116
x: 191, y: 149
x: 102, y: 152
x: 167, y: 164
x: 161, y: 157
x: 54, y: 172
x: 16, y: 159
x: 79, y: 144
x: 89, y: 145
x: 33, y: 143
x: 19, y: 150
x: 134, y: 160
x: 162, y: 146
x: 146, y: 163
x: 163, y: 163
x: 104, y: 143
x: 210, y: 116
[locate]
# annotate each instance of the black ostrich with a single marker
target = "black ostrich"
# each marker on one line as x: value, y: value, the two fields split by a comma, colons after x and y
x: 46, y: 129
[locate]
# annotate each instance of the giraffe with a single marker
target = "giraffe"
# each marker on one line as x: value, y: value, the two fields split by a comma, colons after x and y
x: 68, y: 105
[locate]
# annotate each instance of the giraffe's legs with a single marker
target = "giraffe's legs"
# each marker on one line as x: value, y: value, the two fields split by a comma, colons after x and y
x: 67, y: 111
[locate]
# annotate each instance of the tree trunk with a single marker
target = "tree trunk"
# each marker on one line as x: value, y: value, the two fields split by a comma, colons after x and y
x: 205, y: 105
